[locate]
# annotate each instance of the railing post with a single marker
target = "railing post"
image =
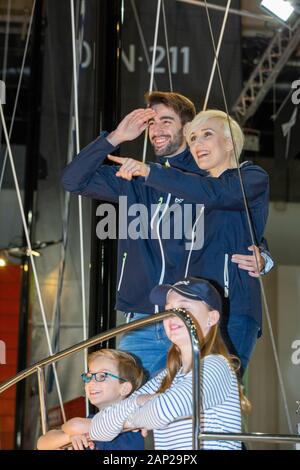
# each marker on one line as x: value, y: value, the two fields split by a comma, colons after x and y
x: 42, y: 397
x: 196, y: 349
x: 298, y: 425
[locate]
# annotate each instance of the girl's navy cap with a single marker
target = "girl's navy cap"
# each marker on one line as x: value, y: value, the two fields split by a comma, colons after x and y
x: 190, y: 287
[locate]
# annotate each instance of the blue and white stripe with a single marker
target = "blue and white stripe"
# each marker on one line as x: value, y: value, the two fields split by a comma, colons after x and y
x: 168, y: 414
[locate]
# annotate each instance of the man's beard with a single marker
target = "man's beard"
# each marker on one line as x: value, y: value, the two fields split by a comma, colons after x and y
x: 171, y: 147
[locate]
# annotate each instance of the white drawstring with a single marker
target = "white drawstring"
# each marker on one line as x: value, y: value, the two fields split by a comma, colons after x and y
x: 226, y: 277
x: 193, y: 242
x: 163, y: 267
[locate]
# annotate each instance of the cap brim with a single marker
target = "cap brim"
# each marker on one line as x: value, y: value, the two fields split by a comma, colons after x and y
x: 158, y: 295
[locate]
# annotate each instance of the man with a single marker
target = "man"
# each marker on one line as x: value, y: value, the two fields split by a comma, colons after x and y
x: 146, y: 262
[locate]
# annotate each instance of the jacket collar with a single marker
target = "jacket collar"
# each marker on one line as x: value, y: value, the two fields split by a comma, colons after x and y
x: 182, y: 161
x: 242, y: 165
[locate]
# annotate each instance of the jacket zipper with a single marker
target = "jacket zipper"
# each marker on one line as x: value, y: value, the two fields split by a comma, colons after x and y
x: 122, y: 270
x: 192, y: 244
x: 226, y: 276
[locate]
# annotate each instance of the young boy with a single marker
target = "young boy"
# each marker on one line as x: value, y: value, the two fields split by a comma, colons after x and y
x: 113, y: 375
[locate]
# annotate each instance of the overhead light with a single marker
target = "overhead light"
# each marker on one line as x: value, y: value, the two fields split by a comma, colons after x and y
x: 2, y: 263
x: 282, y: 9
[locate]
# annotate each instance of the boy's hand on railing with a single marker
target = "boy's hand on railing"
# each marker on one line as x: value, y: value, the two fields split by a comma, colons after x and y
x: 82, y: 442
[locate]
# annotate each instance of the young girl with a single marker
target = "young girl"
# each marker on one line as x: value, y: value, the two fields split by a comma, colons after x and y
x: 164, y: 404
x: 216, y: 141
x: 113, y: 376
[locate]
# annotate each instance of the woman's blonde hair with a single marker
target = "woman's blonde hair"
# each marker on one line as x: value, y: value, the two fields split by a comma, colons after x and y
x: 212, y: 343
x: 232, y: 129
x: 128, y: 367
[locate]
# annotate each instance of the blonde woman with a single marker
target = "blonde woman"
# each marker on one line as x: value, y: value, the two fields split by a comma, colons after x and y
x: 216, y: 142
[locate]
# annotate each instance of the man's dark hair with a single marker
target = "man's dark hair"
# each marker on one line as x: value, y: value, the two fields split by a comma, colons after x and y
x: 179, y: 103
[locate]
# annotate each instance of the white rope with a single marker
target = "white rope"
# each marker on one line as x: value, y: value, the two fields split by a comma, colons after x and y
x: 155, y: 45
x: 65, y: 209
x: 286, y: 100
x: 56, y: 311
x: 37, y: 285
x: 265, y: 303
x: 217, y: 55
x: 18, y: 90
x: 75, y: 83
x: 167, y: 46
x: 55, y: 322
x: 233, y: 11
x: 152, y: 70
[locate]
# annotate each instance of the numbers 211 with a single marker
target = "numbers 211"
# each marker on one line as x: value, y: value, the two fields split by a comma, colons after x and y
x: 179, y: 59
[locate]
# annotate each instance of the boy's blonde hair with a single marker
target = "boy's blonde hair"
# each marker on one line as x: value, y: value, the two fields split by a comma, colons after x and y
x: 127, y: 366
x: 237, y: 133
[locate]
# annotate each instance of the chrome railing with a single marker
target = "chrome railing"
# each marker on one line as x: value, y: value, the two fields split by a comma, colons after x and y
x: 198, y: 436
x: 252, y: 437
x: 38, y: 368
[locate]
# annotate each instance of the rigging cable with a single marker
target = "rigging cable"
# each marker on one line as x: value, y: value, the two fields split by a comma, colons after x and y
x: 18, y: 90
x: 282, y: 388
x: 152, y: 70
x: 36, y: 280
x: 167, y: 46
x: 142, y: 37
x: 75, y: 83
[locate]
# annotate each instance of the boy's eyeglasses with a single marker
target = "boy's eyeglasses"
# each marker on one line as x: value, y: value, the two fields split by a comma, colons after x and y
x: 99, y: 377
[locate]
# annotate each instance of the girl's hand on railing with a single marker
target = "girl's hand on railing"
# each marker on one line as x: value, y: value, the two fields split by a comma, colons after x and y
x: 144, y: 432
x: 128, y: 427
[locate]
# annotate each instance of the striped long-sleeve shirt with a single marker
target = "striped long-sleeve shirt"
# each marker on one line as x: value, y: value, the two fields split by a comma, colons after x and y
x: 168, y: 413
